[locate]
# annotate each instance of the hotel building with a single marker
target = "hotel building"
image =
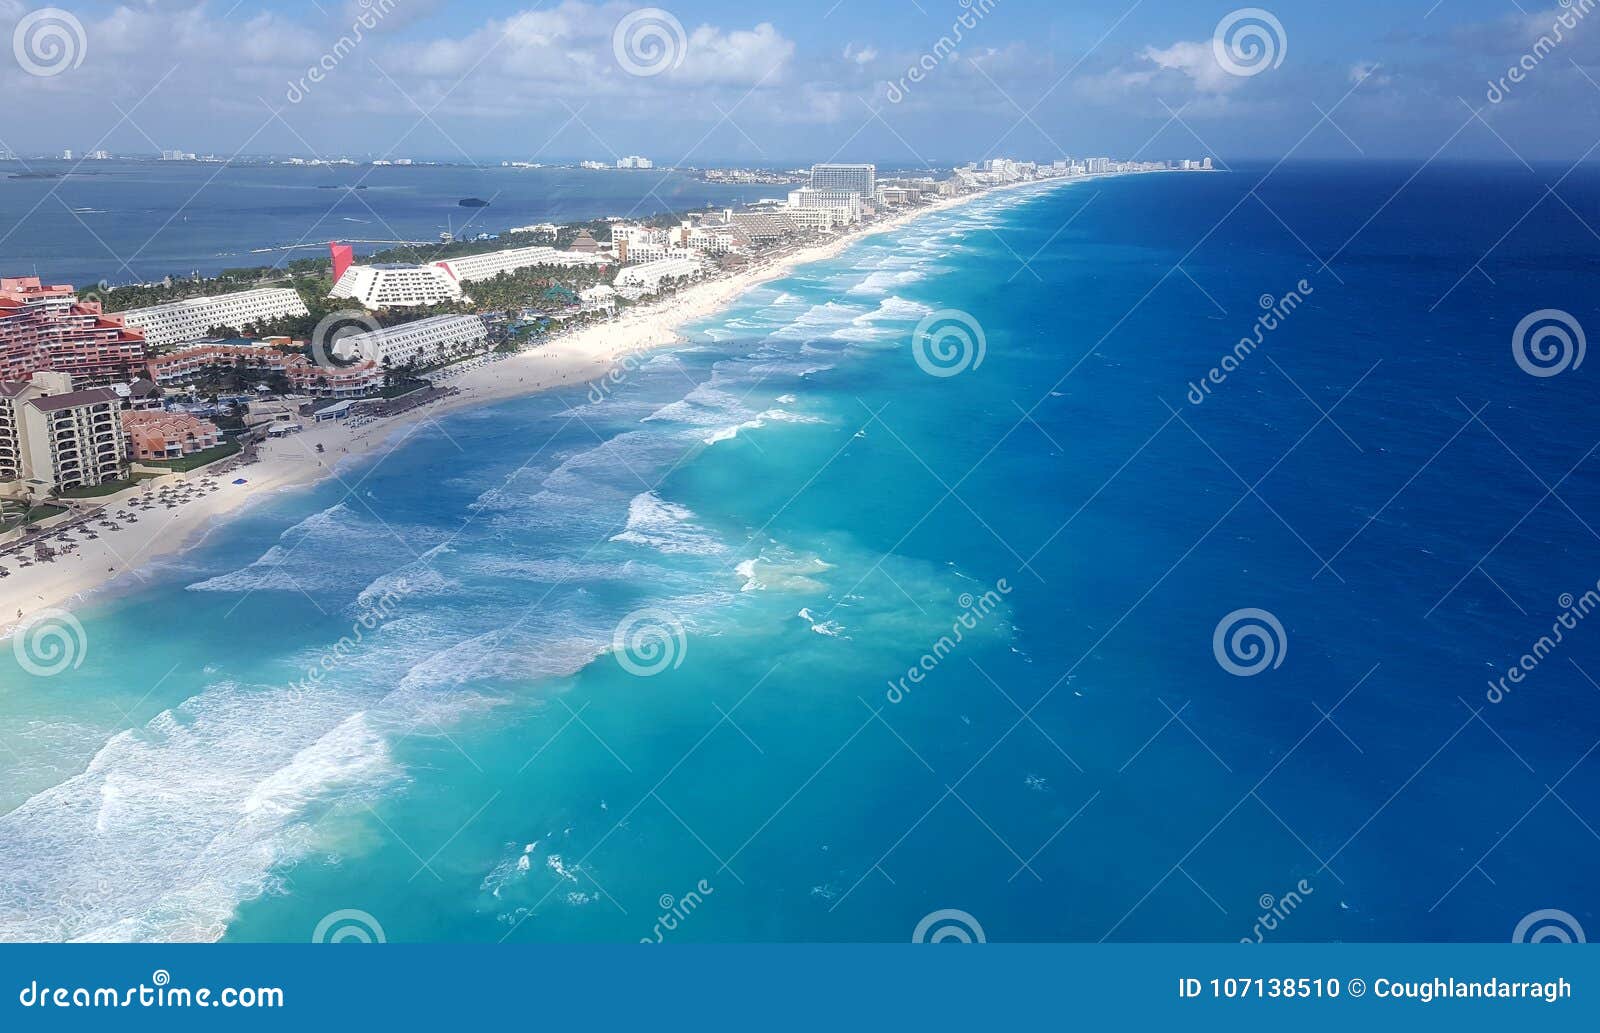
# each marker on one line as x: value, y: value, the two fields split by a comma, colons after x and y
x: 194, y: 318
x: 650, y: 275
x: 46, y: 327
x: 844, y: 204
x: 862, y: 179
x: 396, y: 285
x: 56, y: 438
x: 424, y: 342
x: 402, y: 285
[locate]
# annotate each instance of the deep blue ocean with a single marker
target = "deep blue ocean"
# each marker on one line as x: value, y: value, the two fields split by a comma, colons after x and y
x: 132, y: 222
x: 800, y: 513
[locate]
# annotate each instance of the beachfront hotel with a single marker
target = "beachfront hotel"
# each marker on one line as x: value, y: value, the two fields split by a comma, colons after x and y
x: 650, y: 275
x: 486, y: 266
x: 396, y: 285
x: 55, y: 438
x: 424, y: 342
x: 860, y: 179
x: 405, y: 285
x: 46, y: 327
x: 193, y: 318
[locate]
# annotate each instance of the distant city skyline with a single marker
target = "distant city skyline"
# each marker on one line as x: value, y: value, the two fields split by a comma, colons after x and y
x: 710, y: 82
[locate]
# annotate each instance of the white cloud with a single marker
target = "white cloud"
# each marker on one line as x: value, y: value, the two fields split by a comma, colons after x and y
x: 1198, y: 62
x: 862, y: 55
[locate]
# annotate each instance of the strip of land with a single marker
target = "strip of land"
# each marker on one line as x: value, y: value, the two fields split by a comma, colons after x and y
x: 118, y: 557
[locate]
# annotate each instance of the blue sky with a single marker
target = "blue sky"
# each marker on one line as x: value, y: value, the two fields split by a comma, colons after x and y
x: 781, y: 82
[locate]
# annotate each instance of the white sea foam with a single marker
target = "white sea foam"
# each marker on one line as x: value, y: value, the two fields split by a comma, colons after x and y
x: 667, y: 527
x: 171, y: 825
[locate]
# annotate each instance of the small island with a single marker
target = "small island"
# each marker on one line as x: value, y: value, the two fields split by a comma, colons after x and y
x: 473, y: 202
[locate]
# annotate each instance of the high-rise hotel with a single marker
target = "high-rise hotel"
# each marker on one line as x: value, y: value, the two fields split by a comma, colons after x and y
x: 860, y: 179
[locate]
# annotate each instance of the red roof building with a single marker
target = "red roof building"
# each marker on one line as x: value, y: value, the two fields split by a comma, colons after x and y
x: 46, y: 327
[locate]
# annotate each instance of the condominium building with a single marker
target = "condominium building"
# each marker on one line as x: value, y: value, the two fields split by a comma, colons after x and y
x: 193, y: 318
x: 179, y: 366
x: 633, y: 161
x: 46, y: 327
x: 155, y: 435
x: 423, y: 342
x: 863, y: 179
x: 56, y: 438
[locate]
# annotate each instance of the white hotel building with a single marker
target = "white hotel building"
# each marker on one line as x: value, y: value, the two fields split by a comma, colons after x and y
x: 650, y: 275
x: 190, y: 320
x: 397, y: 285
x: 424, y: 342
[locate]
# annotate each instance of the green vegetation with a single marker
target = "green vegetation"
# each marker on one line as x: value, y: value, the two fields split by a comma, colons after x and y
x: 15, y: 514
x: 197, y: 459
x: 108, y: 488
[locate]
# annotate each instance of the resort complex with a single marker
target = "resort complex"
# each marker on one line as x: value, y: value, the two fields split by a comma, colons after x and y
x: 89, y: 398
x: 194, y: 318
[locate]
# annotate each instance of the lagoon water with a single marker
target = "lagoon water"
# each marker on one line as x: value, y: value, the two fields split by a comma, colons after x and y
x: 815, y: 511
x: 128, y: 222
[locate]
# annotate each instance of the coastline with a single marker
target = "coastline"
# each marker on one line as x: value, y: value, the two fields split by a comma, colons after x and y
x: 117, y: 558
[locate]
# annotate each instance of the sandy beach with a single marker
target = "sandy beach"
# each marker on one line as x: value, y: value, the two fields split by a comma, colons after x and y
x: 116, y: 557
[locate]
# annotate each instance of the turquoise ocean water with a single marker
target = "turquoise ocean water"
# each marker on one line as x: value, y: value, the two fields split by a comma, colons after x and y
x: 788, y: 513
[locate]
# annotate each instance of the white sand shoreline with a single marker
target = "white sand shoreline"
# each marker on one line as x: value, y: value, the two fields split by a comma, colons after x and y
x: 117, y: 558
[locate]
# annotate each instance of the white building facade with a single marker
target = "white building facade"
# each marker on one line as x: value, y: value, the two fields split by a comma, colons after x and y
x: 423, y: 342
x: 190, y: 320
